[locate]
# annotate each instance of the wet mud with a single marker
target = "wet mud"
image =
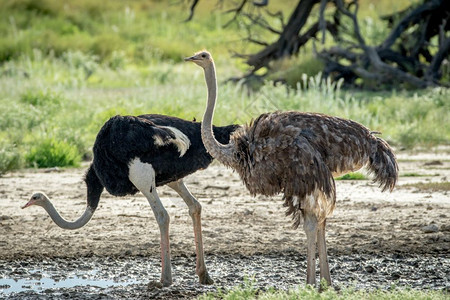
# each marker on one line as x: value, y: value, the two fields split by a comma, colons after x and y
x: 374, y: 239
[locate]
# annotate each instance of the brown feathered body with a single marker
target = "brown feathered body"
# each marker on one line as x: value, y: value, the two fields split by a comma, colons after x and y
x: 298, y: 154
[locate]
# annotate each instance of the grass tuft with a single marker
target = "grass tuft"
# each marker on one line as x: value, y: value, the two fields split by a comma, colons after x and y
x: 430, y: 186
x: 248, y: 291
x: 10, y: 158
x: 50, y: 152
x: 40, y: 98
x: 65, y: 68
x: 352, y: 176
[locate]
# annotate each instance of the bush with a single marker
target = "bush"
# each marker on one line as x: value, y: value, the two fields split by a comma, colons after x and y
x: 9, y: 158
x: 352, y: 176
x: 53, y: 153
x: 40, y: 98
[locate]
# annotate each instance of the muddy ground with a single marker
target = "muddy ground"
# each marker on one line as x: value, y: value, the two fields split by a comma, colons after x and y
x: 374, y: 239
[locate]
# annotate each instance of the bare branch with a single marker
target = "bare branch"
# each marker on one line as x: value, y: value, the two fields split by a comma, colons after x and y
x: 354, y: 19
x: 412, y: 18
x: 261, y: 3
x: 237, y: 11
x: 433, y: 70
x: 264, y: 25
x: 383, y: 70
x: 421, y: 36
x: 311, y: 33
x: 442, y: 30
x: 261, y: 43
x: 192, y: 9
x: 387, y: 70
x: 344, y: 53
x: 322, y: 22
x: 278, y: 14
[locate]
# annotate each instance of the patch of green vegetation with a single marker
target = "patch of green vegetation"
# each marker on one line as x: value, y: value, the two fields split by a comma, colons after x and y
x: 10, y: 158
x: 293, y: 70
x: 413, y: 174
x: 430, y: 186
x: 40, y: 98
x: 352, y: 176
x: 50, y: 152
x: 67, y: 67
x: 248, y: 291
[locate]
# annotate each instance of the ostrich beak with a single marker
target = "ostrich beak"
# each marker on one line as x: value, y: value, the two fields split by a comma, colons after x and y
x: 31, y: 202
x: 191, y: 58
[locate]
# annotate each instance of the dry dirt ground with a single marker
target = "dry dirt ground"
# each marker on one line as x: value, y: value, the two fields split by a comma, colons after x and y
x: 410, y: 220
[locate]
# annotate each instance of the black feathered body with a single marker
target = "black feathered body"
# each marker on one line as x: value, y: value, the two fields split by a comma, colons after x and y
x: 298, y: 154
x: 124, y: 138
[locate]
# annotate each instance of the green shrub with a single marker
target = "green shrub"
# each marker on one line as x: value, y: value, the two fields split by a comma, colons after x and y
x: 52, y: 153
x: 293, y: 70
x: 104, y: 45
x: 40, y: 98
x: 352, y: 176
x: 9, y: 158
x: 40, y: 7
x: 248, y: 291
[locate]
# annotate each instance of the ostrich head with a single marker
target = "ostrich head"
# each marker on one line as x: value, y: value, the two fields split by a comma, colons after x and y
x: 38, y: 198
x: 202, y: 58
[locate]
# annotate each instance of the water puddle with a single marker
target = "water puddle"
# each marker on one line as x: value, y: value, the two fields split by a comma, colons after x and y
x: 39, y: 282
x: 127, y: 278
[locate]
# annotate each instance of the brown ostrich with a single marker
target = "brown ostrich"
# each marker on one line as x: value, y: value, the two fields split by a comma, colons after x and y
x: 298, y: 154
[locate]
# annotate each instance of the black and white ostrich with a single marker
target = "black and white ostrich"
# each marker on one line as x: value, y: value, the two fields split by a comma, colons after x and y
x: 297, y: 154
x: 140, y: 153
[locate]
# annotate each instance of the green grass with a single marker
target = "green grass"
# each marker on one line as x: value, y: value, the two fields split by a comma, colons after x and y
x: 50, y: 152
x: 430, y: 186
x: 247, y: 291
x: 71, y: 97
x: 414, y: 174
x: 352, y: 176
x: 64, y: 72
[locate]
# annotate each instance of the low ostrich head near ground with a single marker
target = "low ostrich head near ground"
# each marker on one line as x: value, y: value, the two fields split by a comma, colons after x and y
x: 38, y: 198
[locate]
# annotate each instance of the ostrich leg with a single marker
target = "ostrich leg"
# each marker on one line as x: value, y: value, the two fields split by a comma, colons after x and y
x: 323, y: 258
x: 311, y: 228
x: 195, y: 210
x: 142, y: 175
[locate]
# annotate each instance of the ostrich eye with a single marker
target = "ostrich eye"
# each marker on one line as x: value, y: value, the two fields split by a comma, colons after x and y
x: 203, y: 55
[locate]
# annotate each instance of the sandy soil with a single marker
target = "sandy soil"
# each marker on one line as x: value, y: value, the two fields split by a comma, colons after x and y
x: 365, y: 220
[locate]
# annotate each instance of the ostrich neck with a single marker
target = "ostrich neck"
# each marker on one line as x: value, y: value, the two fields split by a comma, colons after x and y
x: 56, y: 217
x: 221, y: 152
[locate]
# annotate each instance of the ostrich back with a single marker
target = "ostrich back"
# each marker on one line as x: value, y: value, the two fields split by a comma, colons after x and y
x: 297, y: 154
x: 123, y: 138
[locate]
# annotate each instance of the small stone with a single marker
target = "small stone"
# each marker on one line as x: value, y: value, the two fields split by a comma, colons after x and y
x: 445, y: 227
x: 370, y: 269
x: 433, y: 163
x: 396, y: 275
x: 430, y: 228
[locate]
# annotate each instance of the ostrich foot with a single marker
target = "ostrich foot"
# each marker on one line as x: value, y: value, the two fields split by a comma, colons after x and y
x: 205, y: 279
x: 157, y: 285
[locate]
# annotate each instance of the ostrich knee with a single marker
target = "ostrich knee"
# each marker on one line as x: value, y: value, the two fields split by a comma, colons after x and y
x: 195, y: 210
x: 163, y: 220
